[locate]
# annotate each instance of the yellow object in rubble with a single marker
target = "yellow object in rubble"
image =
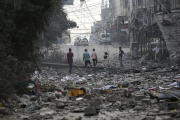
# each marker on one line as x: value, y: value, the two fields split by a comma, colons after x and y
x: 76, y: 92
x: 120, y: 86
x: 0, y: 104
x: 108, y: 91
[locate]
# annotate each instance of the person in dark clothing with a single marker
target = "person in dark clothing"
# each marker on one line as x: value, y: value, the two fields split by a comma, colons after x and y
x: 70, y: 59
x: 121, y: 53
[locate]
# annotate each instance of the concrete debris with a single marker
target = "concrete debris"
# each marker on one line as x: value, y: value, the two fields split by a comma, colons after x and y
x: 90, y: 111
x: 149, y: 92
x: 112, y: 98
x: 96, y: 104
x: 60, y: 105
x: 4, y: 111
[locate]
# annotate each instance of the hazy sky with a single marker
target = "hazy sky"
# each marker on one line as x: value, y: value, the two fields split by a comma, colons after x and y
x: 84, y: 15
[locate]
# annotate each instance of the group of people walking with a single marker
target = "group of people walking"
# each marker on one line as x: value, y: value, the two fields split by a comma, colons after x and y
x: 86, y: 58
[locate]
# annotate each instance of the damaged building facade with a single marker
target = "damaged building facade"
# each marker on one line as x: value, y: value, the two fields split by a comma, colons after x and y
x: 154, y: 26
x: 149, y: 27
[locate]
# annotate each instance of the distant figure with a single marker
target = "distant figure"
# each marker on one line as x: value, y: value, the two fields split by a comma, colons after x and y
x: 86, y: 57
x: 121, y: 53
x: 70, y: 59
x: 94, y: 58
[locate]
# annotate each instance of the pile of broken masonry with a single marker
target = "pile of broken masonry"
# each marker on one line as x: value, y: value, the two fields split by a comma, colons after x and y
x: 104, y: 95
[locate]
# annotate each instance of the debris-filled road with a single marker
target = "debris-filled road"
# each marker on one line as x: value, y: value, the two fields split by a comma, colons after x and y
x: 89, y: 60
x: 140, y: 91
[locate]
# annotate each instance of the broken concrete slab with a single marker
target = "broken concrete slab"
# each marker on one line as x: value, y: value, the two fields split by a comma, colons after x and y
x: 138, y: 108
x: 90, y: 111
x: 60, y: 105
x: 96, y: 104
x: 33, y: 98
x: 78, y: 110
x: 87, y: 97
x: 175, y: 115
x: 173, y: 105
x: 112, y: 98
x: 117, y: 103
x: 139, y: 97
x: 171, y: 95
x: 146, y: 102
x: 4, y: 111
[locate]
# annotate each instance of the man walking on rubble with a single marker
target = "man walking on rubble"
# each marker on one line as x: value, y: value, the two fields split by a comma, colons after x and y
x: 94, y: 57
x: 86, y: 57
x: 70, y: 59
x: 121, y: 53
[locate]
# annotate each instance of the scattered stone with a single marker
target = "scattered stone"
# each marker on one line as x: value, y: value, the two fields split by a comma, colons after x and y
x: 146, y: 102
x: 4, y: 111
x: 60, y: 105
x: 48, y: 117
x: 138, y: 108
x: 33, y: 98
x: 96, y: 104
x: 108, y: 94
x: 51, y: 98
x: 124, y: 84
x: 23, y: 100
x: 148, y: 118
x: 27, y: 97
x: 139, y: 97
x: 87, y: 97
x: 173, y: 106
x: 64, y: 93
x: 45, y: 97
x: 79, y: 118
x: 117, y: 103
x: 57, y: 95
x: 175, y: 114
x: 31, y: 108
x: 112, y: 98
x: 78, y: 110
x: 22, y: 105
x: 123, y: 107
x: 103, y: 92
x: 132, y: 103
x: 90, y: 111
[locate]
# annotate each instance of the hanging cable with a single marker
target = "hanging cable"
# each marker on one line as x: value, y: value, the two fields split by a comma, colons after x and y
x: 96, y: 35
x: 85, y: 26
x: 97, y: 25
x: 105, y: 27
x: 92, y: 6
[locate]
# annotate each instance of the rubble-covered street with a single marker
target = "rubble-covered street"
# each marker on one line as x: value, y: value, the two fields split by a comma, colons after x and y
x: 89, y: 59
x: 150, y: 92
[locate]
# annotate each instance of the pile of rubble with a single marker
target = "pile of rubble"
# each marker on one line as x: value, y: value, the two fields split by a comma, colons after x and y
x: 145, y: 94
